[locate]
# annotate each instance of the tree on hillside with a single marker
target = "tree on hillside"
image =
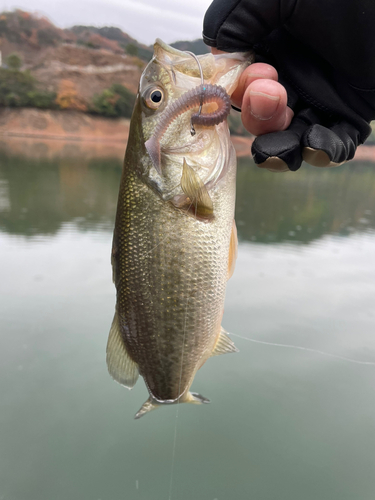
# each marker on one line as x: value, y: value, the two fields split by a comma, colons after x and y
x: 115, y: 101
x: 131, y: 49
x: 67, y: 97
x: 14, y: 61
x: 20, y: 89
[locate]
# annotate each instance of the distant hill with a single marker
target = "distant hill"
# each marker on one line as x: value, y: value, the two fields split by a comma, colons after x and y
x: 196, y: 46
x: 110, y: 36
x: 28, y: 34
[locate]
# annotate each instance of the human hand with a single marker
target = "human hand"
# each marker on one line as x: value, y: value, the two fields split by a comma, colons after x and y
x: 329, y: 96
x: 263, y: 101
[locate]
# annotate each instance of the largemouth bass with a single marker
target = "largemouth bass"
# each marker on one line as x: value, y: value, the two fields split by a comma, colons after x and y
x: 174, y: 243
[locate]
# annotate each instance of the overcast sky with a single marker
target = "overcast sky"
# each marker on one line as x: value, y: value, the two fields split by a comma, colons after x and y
x: 145, y: 20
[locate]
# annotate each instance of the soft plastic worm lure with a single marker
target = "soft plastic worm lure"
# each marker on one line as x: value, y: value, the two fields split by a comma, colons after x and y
x: 200, y: 95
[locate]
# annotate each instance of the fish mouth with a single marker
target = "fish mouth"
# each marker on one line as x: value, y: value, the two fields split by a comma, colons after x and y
x: 208, y: 153
x: 195, y: 146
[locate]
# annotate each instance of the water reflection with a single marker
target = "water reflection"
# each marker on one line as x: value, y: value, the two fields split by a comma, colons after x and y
x: 38, y: 196
x: 306, y: 205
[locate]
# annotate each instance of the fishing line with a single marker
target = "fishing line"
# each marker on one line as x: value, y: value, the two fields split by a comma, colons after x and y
x: 192, y: 129
x: 309, y: 349
x: 199, y: 64
x: 178, y: 404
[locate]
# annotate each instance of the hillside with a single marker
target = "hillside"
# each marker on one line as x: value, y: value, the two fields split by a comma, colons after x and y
x: 83, y: 56
x: 28, y: 33
x: 83, y: 61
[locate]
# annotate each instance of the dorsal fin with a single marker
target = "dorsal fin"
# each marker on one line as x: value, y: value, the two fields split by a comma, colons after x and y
x: 194, y: 188
x: 120, y: 366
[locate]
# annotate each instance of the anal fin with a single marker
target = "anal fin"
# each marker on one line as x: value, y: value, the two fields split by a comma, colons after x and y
x: 120, y: 366
x: 224, y: 344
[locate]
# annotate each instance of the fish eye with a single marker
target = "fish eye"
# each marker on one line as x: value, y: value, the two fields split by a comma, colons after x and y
x: 153, y: 97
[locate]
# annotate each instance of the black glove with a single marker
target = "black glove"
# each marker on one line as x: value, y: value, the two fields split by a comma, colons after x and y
x: 324, y: 52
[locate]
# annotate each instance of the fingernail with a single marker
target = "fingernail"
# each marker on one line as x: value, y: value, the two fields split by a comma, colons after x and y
x: 274, y: 164
x: 263, y: 106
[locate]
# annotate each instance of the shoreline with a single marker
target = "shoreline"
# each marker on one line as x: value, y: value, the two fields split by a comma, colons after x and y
x: 66, y: 138
x: 90, y: 134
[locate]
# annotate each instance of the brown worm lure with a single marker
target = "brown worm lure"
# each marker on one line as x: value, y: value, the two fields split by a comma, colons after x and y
x: 196, y: 97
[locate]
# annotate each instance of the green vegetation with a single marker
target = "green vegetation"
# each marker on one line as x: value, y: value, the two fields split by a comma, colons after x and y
x: 131, y: 46
x: 18, y: 88
x: 114, y: 102
x: 131, y: 49
x: 41, y: 99
x: 14, y: 61
x: 141, y: 52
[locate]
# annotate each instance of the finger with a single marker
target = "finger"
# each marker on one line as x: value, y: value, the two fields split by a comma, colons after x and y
x: 253, y: 72
x: 330, y: 147
x: 282, y: 151
x: 264, y: 107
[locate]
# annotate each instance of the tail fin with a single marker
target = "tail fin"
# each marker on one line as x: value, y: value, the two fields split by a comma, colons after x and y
x: 151, y: 404
x: 195, y: 398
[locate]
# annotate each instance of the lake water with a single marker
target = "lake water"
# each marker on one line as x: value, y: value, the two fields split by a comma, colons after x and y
x: 292, y: 415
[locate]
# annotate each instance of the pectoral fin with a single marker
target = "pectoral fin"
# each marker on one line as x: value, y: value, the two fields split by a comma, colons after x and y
x: 224, y: 344
x: 194, y: 188
x: 120, y: 366
x: 233, y: 250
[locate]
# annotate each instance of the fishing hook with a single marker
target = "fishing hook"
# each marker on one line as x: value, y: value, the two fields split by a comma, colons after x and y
x: 192, y: 129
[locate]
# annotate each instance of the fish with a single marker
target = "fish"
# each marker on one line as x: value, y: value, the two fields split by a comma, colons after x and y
x: 175, y: 241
